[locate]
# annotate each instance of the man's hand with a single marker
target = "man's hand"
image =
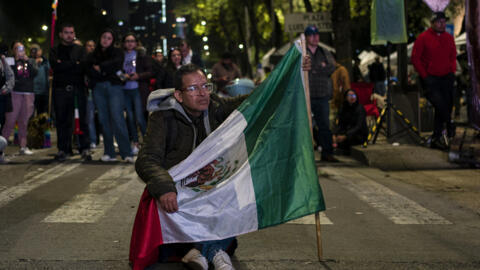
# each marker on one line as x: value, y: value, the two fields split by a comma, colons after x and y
x: 168, y: 202
x: 307, y: 63
x: 96, y: 67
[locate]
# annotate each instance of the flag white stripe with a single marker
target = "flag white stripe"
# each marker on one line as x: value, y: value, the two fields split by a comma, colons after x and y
x: 100, y: 196
x: 399, y: 209
x: 229, y: 208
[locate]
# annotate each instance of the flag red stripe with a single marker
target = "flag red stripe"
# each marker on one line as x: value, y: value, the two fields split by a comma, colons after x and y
x: 146, y: 234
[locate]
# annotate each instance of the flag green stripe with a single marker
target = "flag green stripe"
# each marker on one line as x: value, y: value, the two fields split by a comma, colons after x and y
x: 279, y: 146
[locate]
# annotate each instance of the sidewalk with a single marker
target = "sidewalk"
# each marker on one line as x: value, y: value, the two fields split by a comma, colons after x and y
x: 392, y: 157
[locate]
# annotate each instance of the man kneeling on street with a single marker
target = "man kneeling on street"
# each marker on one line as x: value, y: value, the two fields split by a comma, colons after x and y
x: 178, y: 123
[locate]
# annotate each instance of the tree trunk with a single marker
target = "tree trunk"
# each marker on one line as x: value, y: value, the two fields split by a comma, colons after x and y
x: 253, y: 22
x: 308, y: 5
x: 341, y: 29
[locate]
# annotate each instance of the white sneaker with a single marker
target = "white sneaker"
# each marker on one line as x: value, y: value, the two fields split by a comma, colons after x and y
x: 222, y: 261
x: 25, y: 151
x: 129, y: 160
x: 195, y: 260
x: 93, y: 146
x: 107, y: 158
x: 134, y: 150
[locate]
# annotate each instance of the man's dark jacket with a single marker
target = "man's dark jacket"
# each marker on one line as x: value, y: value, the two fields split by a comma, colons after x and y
x: 167, y: 117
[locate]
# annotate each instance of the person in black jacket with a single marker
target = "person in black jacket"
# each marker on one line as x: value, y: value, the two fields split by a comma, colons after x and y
x: 107, y: 78
x: 68, y: 64
x: 352, y: 126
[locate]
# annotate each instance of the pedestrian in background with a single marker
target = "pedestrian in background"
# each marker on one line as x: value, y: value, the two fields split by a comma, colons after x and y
x: 41, y: 83
x: 93, y: 128
x: 106, y: 76
x: 7, y: 81
x: 434, y: 56
x: 23, y: 97
x: 67, y: 60
x: 320, y: 65
x: 351, y: 128
x: 376, y: 73
x: 138, y: 70
x: 189, y: 56
x: 174, y: 62
x: 224, y: 71
x: 340, y: 84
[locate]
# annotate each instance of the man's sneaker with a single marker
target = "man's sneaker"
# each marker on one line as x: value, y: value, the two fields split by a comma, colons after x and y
x: 195, y: 260
x: 93, y: 146
x: 25, y: 151
x: 134, y: 149
x: 107, y: 158
x: 129, y: 160
x: 86, y: 155
x: 60, y: 156
x: 222, y: 261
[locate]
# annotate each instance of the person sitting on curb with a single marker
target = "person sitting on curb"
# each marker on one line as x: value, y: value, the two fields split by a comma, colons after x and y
x: 352, y: 126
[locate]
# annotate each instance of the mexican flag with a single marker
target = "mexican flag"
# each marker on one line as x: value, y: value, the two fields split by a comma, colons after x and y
x: 256, y: 170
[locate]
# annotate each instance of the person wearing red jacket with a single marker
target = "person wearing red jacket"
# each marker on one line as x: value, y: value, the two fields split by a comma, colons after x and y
x: 434, y: 57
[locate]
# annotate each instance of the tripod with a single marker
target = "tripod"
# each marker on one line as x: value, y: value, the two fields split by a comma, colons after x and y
x: 385, y: 114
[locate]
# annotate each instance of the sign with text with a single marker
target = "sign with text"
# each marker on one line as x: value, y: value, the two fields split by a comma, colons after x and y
x: 297, y: 22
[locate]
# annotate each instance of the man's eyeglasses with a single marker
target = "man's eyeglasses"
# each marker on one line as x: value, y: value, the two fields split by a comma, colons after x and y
x: 351, y: 95
x: 195, y: 89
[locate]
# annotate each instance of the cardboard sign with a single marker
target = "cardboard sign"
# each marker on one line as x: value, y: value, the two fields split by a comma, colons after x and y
x: 297, y: 22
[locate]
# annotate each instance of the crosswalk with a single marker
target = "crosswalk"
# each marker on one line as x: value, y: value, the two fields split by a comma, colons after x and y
x: 101, y: 195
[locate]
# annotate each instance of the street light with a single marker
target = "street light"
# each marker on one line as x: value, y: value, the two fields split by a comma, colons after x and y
x: 206, y: 47
x: 203, y: 23
x: 44, y: 27
x: 104, y: 12
x: 205, y: 39
x: 240, y: 46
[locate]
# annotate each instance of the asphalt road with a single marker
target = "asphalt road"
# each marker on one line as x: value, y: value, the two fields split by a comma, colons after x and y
x: 76, y: 215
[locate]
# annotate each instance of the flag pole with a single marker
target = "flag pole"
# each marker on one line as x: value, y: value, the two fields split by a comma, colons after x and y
x: 309, y: 112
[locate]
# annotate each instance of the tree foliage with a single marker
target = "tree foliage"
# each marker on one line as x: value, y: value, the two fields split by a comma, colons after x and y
x: 249, y: 22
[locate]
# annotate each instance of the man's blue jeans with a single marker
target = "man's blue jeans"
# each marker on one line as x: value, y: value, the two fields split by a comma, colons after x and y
x: 110, y: 103
x: 133, y: 106
x: 210, y: 248
x: 321, y: 113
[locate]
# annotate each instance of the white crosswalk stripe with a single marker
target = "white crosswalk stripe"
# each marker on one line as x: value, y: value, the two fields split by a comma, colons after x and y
x: 397, y: 208
x: 310, y: 219
x: 92, y: 204
x: 34, y: 182
x: 99, y: 197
